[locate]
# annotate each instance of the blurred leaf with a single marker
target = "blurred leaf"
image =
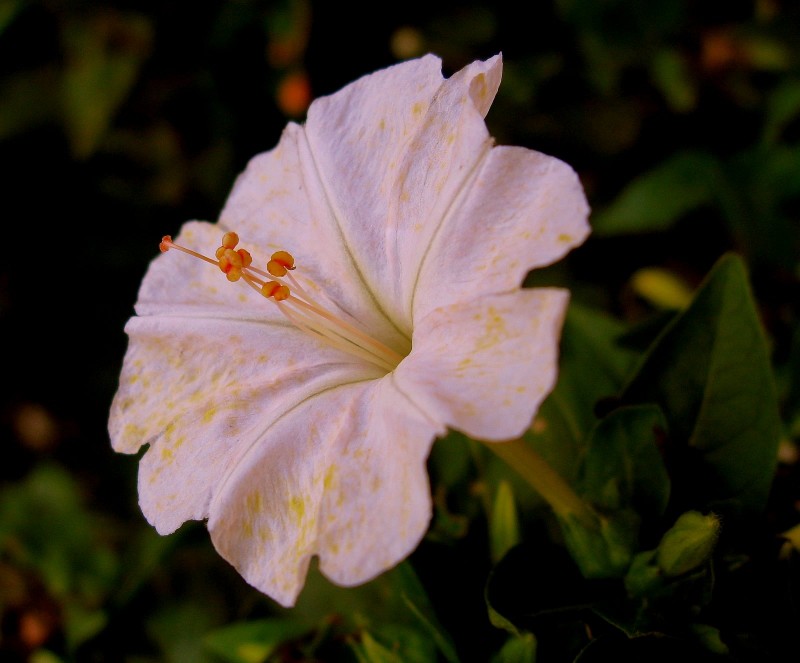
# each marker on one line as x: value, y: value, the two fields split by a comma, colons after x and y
x: 710, y: 373
x: 671, y: 75
x: 517, y: 649
x: 657, y: 199
x: 141, y: 558
x: 179, y: 629
x: 783, y: 106
x: 253, y: 642
x: 766, y: 185
x: 43, y: 526
x: 44, y: 656
x: 81, y: 624
x: 103, y: 54
x: 504, y: 523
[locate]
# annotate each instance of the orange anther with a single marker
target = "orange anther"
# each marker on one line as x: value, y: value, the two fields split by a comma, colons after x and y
x: 220, y: 252
x: 230, y: 240
x: 166, y: 242
x: 276, y: 290
x: 247, y: 259
x: 233, y: 274
x: 282, y: 261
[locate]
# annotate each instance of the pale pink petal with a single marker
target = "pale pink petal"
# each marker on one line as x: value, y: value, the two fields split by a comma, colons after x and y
x: 410, y: 143
x: 279, y: 203
x: 209, y: 362
x: 484, y: 366
x: 523, y: 210
x: 358, y: 193
x: 342, y: 476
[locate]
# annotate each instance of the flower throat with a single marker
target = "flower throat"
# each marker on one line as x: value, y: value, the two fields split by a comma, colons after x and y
x: 278, y: 285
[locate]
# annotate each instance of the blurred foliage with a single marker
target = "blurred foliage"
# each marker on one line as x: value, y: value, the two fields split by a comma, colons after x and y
x: 679, y: 392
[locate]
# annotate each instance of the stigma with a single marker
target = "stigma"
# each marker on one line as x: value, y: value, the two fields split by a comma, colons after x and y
x: 277, y: 284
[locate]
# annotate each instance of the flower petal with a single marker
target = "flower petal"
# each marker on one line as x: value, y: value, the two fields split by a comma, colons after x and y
x: 490, y: 377
x: 201, y: 384
x: 524, y: 210
x: 200, y: 391
x: 343, y: 476
x: 409, y: 142
x: 279, y: 203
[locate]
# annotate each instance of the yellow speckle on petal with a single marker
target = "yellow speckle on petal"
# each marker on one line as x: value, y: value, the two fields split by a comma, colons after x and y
x: 166, y: 454
x: 298, y: 507
x: 330, y: 477
x: 382, y: 124
x: 494, y: 332
x: 209, y: 415
x: 416, y: 109
x: 253, y: 503
x: 563, y: 237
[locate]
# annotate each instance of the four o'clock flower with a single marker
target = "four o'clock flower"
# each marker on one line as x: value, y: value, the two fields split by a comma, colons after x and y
x: 377, y: 253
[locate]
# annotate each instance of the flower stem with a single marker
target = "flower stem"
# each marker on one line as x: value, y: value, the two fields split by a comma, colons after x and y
x: 540, y: 475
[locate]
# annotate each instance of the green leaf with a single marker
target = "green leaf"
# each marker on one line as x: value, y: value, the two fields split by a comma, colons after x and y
x: 45, y: 527
x: 602, y: 549
x: 672, y: 75
x: 254, y: 641
x: 657, y: 199
x: 589, y: 347
x: 517, y: 649
x: 393, y: 644
x: 504, y: 523
x: 623, y: 477
x: 396, y: 597
x: 622, y: 467
x: 709, y: 372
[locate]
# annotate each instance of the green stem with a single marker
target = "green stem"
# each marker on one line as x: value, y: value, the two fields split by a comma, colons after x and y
x: 544, y: 480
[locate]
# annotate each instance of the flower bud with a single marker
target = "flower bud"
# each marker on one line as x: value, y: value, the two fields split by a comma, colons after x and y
x: 688, y: 544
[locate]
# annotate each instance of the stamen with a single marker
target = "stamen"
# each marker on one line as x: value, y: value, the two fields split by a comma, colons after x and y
x: 281, y: 263
x: 300, y: 309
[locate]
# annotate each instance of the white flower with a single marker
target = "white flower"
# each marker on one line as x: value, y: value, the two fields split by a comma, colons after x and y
x: 297, y: 434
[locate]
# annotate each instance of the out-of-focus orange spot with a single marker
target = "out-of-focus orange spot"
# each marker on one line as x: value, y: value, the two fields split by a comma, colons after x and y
x: 34, y: 628
x: 719, y: 51
x: 35, y: 427
x: 407, y: 42
x: 294, y: 93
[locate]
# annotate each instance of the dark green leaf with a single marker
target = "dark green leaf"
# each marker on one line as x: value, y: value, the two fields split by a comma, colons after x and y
x: 622, y: 466
x: 709, y: 371
x: 518, y: 649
